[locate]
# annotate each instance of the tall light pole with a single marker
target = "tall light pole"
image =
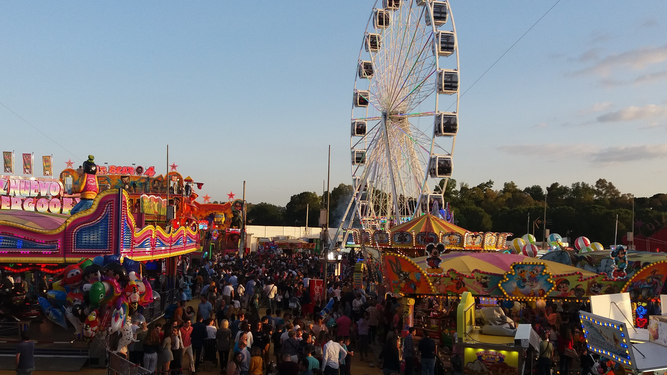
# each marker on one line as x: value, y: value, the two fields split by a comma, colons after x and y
x: 544, y: 233
x: 632, y: 243
x: 325, y: 246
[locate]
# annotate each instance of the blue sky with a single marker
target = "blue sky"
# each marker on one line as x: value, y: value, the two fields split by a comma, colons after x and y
x: 256, y: 91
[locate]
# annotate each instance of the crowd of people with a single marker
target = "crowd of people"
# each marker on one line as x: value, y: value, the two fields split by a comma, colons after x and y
x: 259, y: 315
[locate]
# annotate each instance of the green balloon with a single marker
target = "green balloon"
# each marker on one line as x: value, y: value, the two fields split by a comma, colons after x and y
x: 96, y: 294
x: 85, y: 264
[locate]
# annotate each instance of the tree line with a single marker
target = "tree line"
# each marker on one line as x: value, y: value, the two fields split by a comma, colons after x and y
x: 581, y: 209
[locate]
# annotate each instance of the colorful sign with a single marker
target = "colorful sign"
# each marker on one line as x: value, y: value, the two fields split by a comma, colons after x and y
x: 648, y: 282
x: 527, y: 280
x: 153, y: 205
x: 27, y: 164
x: 41, y: 195
x: 404, y: 276
x: 657, y: 329
x: 129, y: 171
x: 47, y: 166
x: 316, y: 289
x: 607, y: 338
x: 8, y: 161
x: 484, y: 361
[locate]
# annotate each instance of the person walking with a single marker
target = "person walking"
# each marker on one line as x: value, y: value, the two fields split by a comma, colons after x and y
x: 331, y: 352
x: 151, y: 348
x: 409, y: 351
x: 545, y: 356
x: 427, y: 349
x: 391, y: 356
x: 176, y: 349
x: 197, y: 338
x: 223, y: 338
x: 25, y: 355
x: 186, y: 331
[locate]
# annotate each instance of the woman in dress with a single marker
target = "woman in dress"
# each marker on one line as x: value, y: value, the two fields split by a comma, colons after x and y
x: 224, y: 338
x: 165, y: 355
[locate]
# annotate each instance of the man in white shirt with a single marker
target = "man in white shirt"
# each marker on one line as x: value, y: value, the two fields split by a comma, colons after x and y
x: 271, y: 291
x: 228, y: 293
x: 331, y: 352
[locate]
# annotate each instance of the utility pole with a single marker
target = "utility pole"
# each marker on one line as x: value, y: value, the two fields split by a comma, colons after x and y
x: 632, y: 243
x: 325, y: 245
x: 544, y: 226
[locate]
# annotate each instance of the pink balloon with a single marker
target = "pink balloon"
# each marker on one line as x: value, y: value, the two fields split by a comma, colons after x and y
x: 582, y: 243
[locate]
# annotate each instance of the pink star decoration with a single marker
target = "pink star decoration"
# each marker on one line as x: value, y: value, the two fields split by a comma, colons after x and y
x: 231, y: 195
x: 173, y: 166
x: 70, y: 163
x: 207, y: 199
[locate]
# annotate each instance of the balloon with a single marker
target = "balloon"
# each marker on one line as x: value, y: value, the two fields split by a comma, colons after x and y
x: 517, y: 245
x: 56, y: 297
x: 540, y: 303
x: 59, y: 285
x: 126, y: 337
x: 528, y: 238
x: 119, y: 315
x: 529, y: 250
x: 96, y: 294
x: 138, y: 318
x: 596, y: 246
x: 53, y: 313
x: 156, y: 296
x: 83, y: 263
x: 147, y: 296
x: 508, y: 304
x: 581, y: 243
x: 99, y: 260
x: 131, y: 293
x: 73, y: 275
x: 112, y: 290
x: 91, y: 324
x: 115, y: 271
x: 76, y: 322
x: 586, y: 250
x: 131, y: 266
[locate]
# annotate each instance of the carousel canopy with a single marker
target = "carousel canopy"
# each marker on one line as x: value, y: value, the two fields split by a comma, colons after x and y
x: 428, y: 223
x: 498, y: 263
x: 413, y: 236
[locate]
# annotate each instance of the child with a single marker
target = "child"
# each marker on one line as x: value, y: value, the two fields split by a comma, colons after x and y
x: 256, y: 362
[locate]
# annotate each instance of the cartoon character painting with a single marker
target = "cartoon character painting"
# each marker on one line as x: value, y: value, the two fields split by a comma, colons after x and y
x: 88, y: 184
x: 402, y: 280
x: 620, y: 263
x: 433, y: 259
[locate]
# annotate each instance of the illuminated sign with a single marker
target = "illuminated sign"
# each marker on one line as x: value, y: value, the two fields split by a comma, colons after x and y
x: 607, y: 337
x: 128, y: 171
x: 41, y: 195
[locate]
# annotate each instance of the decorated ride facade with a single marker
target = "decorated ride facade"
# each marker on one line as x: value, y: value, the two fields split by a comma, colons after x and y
x: 107, y: 228
x: 412, y: 238
x: 168, y: 201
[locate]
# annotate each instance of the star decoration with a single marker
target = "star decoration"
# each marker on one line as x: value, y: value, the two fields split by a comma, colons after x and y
x: 70, y: 163
x: 207, y: 199
x: 231, y: 195
x: 173, y: 166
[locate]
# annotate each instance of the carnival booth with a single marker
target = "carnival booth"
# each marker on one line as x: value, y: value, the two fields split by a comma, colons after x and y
x: 499, y: 346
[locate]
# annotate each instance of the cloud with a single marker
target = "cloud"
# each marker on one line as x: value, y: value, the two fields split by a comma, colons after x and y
x: 636, y: 59
x: 587, y: 152
x: 549, y: 150
x: 634, y: 113
x: 650, y: 78
x: 541, y: 125
x: 648, y: 24
x: 629, y: 154
x: 600, y: 37
x: 597, y: 107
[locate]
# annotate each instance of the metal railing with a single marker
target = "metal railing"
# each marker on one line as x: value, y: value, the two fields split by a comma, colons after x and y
x: 121, y: 366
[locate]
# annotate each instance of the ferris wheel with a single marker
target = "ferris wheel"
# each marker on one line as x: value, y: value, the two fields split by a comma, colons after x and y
x: 405, y: 110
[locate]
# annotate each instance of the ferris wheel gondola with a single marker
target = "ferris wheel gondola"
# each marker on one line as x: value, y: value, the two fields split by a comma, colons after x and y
x: 405, y: 110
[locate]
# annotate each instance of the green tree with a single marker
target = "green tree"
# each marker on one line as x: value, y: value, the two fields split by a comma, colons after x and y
x: 295, y: 210
x: 265, y: 214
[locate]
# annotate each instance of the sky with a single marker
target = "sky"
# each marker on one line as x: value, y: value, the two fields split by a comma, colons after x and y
x: 257, y: 91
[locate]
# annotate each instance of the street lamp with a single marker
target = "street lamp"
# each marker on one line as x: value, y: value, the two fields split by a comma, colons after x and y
x: 544, y: 234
